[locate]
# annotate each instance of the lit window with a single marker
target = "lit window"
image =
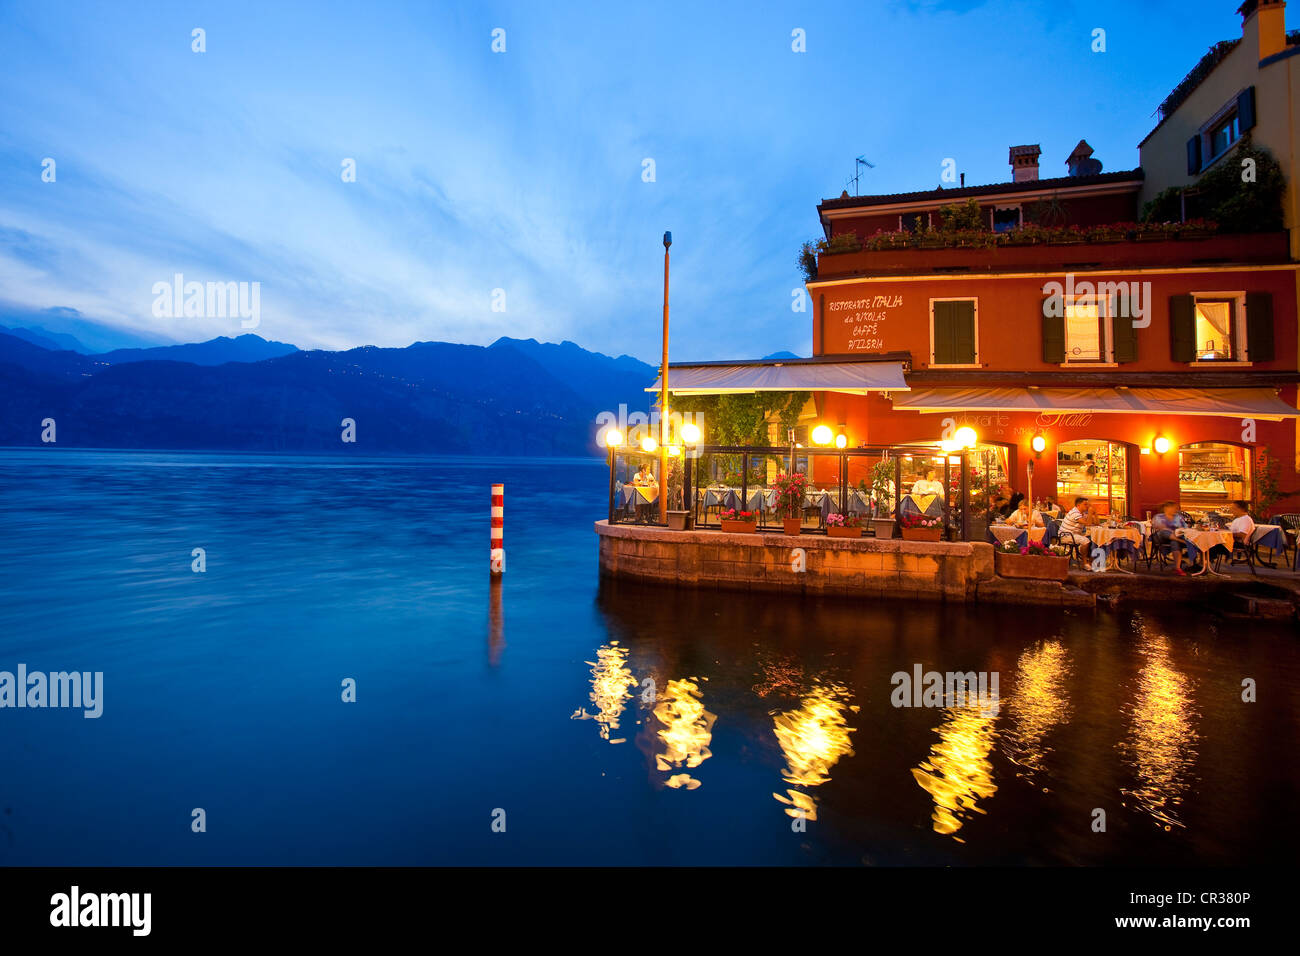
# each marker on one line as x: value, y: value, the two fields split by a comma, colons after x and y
x: 1216, y: 329
x: 1085, y: 331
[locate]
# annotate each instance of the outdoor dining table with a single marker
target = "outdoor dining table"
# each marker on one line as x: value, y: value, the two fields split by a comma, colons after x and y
x: 640, y: 494
x: 1199, y: 542
x: 1269, y: 536
x: 1107, y: 539
x: 720, y: 498
x: 859, y: 503
x: 930, y: 505
x: 1021, y: 536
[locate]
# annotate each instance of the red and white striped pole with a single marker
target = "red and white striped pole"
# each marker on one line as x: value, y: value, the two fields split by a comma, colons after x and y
x: 498, y: 554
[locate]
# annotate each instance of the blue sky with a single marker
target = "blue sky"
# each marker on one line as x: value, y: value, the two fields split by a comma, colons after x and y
x: 522, y: 170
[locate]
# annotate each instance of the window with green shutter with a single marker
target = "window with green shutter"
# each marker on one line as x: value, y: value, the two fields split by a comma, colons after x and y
x: 954, y: 332
x: 1125, y: 337
x: 1182, y: 328
x: 1259, y: 326
x: 1053, y: 337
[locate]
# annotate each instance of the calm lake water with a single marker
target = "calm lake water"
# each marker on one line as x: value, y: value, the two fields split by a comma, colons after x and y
x: 222, y: 691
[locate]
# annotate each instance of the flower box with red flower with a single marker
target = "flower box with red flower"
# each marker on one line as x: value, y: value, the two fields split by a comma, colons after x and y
x: 1034, y: 561
x: 919, y: 527
x: 738, y: 522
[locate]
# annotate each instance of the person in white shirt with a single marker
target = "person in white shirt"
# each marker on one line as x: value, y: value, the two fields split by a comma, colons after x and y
x: 927, y: 485
x: 1242, y: 525
x: 1025, y: 517
x: 1074, y: 527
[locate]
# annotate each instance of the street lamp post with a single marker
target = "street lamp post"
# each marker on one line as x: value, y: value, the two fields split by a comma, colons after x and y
x: 663, y: 398
x: 613, y: 438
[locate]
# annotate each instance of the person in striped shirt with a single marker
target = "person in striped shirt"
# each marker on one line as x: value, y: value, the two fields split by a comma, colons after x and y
x: 1074, y: 526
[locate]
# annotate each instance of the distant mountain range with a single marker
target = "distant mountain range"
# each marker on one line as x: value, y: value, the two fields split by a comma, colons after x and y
x: 515, y: 397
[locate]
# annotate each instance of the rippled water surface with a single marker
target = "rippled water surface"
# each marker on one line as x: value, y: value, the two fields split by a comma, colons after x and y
x: 614, y: 724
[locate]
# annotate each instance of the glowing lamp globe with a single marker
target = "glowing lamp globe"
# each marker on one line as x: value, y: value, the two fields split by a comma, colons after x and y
x: 1161, y: 445
x: 691, y: 433
x: 648, y: 444
x: 841, y: 440
x: 613, y: 438
x: 822, y: 435
x: 966, y: 437
x: 1039, y: 443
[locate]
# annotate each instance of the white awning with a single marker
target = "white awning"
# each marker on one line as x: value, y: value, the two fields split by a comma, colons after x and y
x: 1227, y: 402
x: 857, y: 378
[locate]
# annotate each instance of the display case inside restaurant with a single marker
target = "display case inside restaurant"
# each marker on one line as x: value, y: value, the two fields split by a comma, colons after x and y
x: 1210, y: 475
x: 1093, y: 469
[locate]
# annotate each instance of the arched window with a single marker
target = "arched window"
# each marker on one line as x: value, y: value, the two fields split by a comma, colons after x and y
x: 1093, y: 469
x: 1211, y: 474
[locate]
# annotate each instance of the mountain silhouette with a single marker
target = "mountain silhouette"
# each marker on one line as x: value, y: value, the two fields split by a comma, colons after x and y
x: 512, y: 398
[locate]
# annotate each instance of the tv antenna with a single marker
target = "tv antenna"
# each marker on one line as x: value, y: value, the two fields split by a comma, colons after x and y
x: 857, y: 172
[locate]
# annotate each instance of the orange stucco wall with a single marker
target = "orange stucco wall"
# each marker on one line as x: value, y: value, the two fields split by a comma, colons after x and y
x: 893, y: 315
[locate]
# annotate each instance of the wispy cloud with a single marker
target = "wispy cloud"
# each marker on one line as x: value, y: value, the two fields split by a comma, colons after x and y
x: 519, y: 171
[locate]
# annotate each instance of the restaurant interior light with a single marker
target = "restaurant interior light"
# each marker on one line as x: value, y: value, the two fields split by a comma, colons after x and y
x: 950, y: 445
x: 1161, y: 445
x: 691, y: 433
x: 966, y: 437
x: 1039, y: 443
x: 613, y: 438
x: 822, y: 434
x: 648, y: 444
x: 841, y: 440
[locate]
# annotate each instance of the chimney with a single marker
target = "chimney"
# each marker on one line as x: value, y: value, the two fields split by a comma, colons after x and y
x: 1081, y: 163
x: 1265, y: 21
x: 1024, y: 163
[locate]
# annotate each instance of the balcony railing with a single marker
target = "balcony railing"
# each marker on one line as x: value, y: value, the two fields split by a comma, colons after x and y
x: 1097, y: 248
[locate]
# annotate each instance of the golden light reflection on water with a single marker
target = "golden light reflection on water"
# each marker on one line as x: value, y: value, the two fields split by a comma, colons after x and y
x: 1038, y: 705
x: 958, y: 772
x: 611, y: 681
x: 686, y: 733
x: 1161, y: 743
x: 813, y: 738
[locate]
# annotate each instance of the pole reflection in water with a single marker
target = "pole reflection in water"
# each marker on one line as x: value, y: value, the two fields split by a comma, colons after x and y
x: 611, y: 681
x: 958, y: 772
x: 813, y: 738
x: 1038, y: 705
x: 496, y: 622
x: 1161, y: 742
x: 686, y: 733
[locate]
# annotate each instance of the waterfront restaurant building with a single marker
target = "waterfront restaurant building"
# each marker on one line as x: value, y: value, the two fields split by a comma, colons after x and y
x: 1181, y: 392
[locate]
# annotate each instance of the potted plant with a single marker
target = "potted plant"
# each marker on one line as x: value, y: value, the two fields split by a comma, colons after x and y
x: 678, y: 515
x: 882, y: 497
x: 1035, y: 561
x: 844, y: 526
x: 919, y: 527
x: 789, y: 500
x: 738, y: 522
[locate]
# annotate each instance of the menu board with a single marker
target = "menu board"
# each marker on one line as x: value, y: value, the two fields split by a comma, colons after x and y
x: 863, y: 323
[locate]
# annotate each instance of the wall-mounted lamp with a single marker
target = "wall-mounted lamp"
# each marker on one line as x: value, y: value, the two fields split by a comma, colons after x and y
x: 1038, y: 444
x: 1161, y: 445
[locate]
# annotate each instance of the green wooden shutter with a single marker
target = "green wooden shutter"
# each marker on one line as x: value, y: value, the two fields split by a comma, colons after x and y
x: 1182, y: 328
x: 1053, y: 337
x: 1246, y: 109
x: 963, y: 330
x: 1259, y: 326
x: 1125, y: 338
x: 944, y: 339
